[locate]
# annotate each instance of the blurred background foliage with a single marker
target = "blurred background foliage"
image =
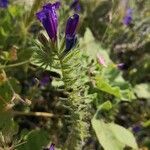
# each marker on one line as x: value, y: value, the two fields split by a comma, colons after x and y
x: 32, y: 111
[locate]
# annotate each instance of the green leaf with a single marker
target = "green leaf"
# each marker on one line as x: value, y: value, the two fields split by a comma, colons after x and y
x: 142, y: 90
x: 6, y: 92
x: 3, y: 32
x: 13, y: 10
x: 123, y: 135
x: 5, y: 122
x: 103, y: 85
x: 15, y: 85
x: 105, y: 136
x: 105, y: 106
x: 126, y: 94
x: 5, y: 95
x: 8, y: 127
x: 112, y: 136
x: 89, y: 45
x: 35, y: 140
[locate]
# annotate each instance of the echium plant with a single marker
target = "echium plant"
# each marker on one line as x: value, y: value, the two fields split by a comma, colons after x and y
x: 60, y: 52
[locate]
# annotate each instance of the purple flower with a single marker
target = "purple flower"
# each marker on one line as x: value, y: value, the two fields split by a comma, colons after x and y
x: 136, y: 128
x: 49, y: 19
x: 75, y: 5
x: 122, y: 66
x: 44, y: 81
x: 52, y: 147
x: 71, y: 28
x: 3, y: 3
x: 128, y: 17
x: 45, y: 78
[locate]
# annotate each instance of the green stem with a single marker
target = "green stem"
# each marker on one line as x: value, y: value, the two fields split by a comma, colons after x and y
x: 61, y: 66
x: 14, y: 65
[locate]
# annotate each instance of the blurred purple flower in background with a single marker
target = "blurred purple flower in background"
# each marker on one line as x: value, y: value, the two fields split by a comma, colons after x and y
x: 122, y: 66
x: 136, y: 128
x: 44, y: 80
x: 49, y: 19
x: 128, y: 17
x: 75, y: 5
x: 57, y: 4
x: 3, y: 3
x: 52, y: 147
x: 71, y: 28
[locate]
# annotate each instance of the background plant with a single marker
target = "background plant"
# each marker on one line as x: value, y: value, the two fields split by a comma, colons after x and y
x: 46, y: 98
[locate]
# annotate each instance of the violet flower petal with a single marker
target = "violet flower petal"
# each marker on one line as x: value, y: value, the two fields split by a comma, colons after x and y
x: 45, y: 80
x: 122, y: 66
x: 52, y: 147
x: 57, y: 5
x: 72, y: 24
x: 75, y: 5
x: 48, y: 17
x: 128, y: 17
x: 3, y: 3
x: 137, y: 128
x: 71, y: 28
x: 70, y: 42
